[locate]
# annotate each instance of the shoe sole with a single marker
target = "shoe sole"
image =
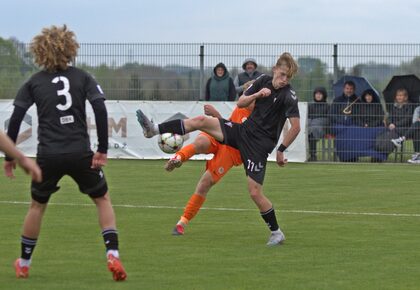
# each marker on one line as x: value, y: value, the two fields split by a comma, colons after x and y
x: 172, y: 164
x: 145, y: 123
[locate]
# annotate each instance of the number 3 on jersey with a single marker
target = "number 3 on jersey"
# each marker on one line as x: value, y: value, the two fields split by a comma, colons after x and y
x: 64, y: 92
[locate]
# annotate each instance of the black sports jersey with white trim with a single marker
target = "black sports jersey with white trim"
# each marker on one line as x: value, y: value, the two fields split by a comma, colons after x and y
x: 270, y: 113
x: 60, y: 98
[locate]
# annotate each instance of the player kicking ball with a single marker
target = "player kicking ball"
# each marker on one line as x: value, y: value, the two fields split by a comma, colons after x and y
x: 225, y: 157
x: 256, y: 137
x: 60, y: 92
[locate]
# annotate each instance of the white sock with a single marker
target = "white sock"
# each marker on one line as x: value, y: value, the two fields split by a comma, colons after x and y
x: 24, y: 262
x: 156, y: 129
x: 115, y: 253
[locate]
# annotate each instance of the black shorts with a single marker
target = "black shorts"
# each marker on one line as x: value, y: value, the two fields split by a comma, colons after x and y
x: 254, y: 160
x: 77, y: 165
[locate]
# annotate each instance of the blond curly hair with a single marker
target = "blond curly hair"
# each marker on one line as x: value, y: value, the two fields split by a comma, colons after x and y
x: 286, y: 59
x: 54, y: 48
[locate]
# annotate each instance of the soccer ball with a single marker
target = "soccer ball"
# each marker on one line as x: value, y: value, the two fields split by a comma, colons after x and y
x: 170, y: 143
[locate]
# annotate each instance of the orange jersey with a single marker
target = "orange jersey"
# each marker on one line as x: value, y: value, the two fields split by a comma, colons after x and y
x: 239, y: 115
x: 225, y: 157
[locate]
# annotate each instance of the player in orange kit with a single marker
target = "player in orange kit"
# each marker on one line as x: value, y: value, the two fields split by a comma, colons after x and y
x: 225, y: 157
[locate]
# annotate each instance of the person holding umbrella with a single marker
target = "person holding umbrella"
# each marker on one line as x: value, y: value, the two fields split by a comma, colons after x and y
x: 412, y: 133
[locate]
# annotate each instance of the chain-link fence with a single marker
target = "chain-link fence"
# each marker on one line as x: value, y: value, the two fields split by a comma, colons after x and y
x: 179, y: 71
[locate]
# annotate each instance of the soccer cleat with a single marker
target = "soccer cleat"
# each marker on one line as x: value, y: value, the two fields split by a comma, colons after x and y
x: 415, y: 159
x: 178, y: 230
x: 21, y: 271
x: 116, y: 267
x: 276, y: 238
x: 397, y: 142
x: 173, y: 163
x: 146, y: 124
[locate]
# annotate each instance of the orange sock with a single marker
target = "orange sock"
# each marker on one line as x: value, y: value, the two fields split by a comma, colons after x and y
x: 186, y: 152
x: 192, y: 208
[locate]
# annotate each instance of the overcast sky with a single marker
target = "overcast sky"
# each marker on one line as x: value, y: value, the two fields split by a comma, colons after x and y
x: 267, y: 21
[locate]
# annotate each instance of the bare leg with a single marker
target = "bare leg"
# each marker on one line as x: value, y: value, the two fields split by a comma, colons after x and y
x: 256, y: 193
x: 33, y: 219
x: 205, y: 184
x: 201, y: 144
x: 106, y: 214
x: 206, y: 124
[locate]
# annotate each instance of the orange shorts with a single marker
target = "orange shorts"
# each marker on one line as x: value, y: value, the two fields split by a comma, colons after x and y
x: 225, y: 157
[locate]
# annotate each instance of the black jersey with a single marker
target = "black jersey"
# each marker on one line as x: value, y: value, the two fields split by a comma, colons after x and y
x: 60, y: 98
x: 270, y: 113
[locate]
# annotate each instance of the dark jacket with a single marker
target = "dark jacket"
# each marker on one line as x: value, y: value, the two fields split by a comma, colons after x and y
x: 336, y: 110
x: 401, y: 116
x: 319, y: 109
x: 220, y: 88
x: 369, y: 114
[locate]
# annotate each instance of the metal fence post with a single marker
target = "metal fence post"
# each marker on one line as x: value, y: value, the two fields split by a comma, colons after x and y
x: 201, y: 95
x: 335, y: 58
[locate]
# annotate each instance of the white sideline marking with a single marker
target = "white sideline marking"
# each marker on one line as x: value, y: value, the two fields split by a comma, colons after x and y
x: 227, y: 209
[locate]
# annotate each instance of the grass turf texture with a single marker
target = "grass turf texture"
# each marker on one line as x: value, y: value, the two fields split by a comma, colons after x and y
x: 226, y: 249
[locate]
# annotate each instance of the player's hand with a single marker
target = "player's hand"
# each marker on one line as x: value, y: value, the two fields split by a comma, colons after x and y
x: 281, y: 161
x: 29, y: 166
x: 210, y: 110
x: 391, y: 126
x: 264, y: 92
x: 99, y: 159
x: 8, y: 167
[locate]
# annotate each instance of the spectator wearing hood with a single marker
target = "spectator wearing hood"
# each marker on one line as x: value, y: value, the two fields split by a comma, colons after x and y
x: 337, y: 116
x: 317, y: 119
x: 249, y: 75
x: 369, y: 112
x: 220, y: 86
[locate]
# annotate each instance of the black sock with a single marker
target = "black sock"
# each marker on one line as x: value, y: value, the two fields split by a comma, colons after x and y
x: 270, y: 219
x: 110, y: 239
x: 174, y: 126
x: 27, y: 246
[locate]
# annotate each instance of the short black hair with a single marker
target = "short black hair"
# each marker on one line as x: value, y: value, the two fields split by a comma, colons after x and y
x: 350, y: 83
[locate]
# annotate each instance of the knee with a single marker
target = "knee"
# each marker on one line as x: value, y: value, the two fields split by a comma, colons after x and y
x: 102, y: 199
x: 201, y: 144
x: 199, y: 122
x: 255, y: 193
x: 37, y: 206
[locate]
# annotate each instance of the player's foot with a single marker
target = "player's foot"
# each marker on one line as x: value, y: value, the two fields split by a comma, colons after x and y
x: 21, y: 271
x: 178, y: 230
x: 116, y: 267
x: 146, y: 124
x: 397, y: 142
x: 276, y: 238
x: 174, y: 162
x: 415, y: 159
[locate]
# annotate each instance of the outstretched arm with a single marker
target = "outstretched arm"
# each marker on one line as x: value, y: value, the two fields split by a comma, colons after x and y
x: 12, y: 154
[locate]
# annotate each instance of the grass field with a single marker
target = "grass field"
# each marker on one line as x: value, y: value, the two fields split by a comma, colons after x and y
x: 347, y: 227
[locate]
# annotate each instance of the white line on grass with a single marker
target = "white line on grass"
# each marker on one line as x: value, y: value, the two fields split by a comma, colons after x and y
x: 227, y: 209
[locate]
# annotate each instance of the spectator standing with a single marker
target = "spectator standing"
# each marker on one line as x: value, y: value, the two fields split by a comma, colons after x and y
x: 249, y: 75
x: 220, y: 86
x: 317, y: 119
